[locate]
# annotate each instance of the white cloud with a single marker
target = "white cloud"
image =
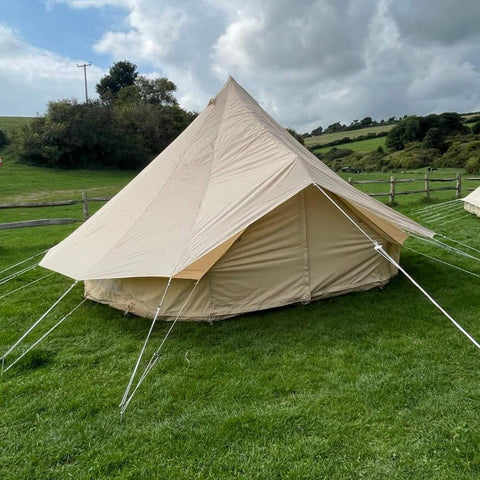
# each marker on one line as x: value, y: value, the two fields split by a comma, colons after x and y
x: 308, y: 62
x: 31, y: 77
x: 153, y: 29
x: 90, y: 3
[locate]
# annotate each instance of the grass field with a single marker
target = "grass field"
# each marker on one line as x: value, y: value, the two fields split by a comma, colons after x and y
x: 361, y: 146
x: 370, y: 385
x: 405, y: 202
x: 21, y: 182
x: 8, y: 124
x: 331, y: 137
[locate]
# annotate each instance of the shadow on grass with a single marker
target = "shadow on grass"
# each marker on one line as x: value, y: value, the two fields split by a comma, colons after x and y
x: 36, y: 359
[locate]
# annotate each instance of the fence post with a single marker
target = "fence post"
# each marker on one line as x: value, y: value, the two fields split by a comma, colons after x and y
x: 392, y: 189
x: 458, y: 186
x: 85, y: 205
x: 427, y: 186
x: 350, y: 180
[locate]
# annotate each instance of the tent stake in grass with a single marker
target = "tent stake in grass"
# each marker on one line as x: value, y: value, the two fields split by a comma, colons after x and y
x: 15, y: 345
x: 27, y: 285
x: 132, y: 376
x: 42, y: 337
x: 24, y: 261
x: 379, y: 248
x: 155, y: 356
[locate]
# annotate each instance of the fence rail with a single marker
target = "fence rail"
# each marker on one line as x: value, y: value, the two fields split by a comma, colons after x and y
x: 427, y: 189
x: 50, y: 221
x: 84, y: 201
x: 38, y: 223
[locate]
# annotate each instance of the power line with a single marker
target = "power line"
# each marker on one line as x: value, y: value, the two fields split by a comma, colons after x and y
x: 37, y: 47
x: 38, y: 51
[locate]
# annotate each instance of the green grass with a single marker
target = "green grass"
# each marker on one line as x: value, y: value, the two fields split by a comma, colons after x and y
x: 8, y: 124
x: 23, y: 183
x: 361, y: 146
x: 408, y: 201
x: 331, y: 137
x: 370, y: 385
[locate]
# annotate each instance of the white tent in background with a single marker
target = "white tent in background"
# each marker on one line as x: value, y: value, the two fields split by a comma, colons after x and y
x: 236, y: 206
x: 471, y: 202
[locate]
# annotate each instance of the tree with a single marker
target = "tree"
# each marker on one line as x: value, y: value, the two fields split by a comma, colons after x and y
x: 366, y: 122
x: 335, y: 127
x: 3, y: 139
x: 99, y: 135
x: 158, y: 91
x: 134, y: 120
x: 472, y: 165
x: 296, y: 135
x: 75, y: 135
x: 476, y: 128
x: 317, y: 131
x: 121, y: 74
x: 451, y: 123
x: 433, y: 139
x: 396, y: 138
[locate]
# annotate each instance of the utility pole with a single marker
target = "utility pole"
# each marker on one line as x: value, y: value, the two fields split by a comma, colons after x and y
x: 84, y: 66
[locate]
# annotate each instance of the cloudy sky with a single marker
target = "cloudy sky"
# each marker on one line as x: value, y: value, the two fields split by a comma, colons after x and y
x: 308, y: 62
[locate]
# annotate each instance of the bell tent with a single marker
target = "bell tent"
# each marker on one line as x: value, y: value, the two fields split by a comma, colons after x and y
x: 239, y: 208
x: 471, y: 202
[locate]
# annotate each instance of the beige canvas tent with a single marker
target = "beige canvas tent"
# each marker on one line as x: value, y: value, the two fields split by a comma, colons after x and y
x: 237, y: 204
x: 471, y: 202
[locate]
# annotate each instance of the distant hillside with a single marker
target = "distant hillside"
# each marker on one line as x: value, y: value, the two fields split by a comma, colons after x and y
x: 347, y: 132
x: 331, y: 137
x: 7, y: 124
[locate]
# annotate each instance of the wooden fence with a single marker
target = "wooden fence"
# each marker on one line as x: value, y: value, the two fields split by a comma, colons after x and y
x: 50, y: 221
x: 472, y: 179
x: 426, y: 190
x: 392, y: 193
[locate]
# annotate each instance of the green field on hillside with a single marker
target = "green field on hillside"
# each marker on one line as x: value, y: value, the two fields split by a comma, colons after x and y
x: 8, y: 124
x: 372, y: 385
x: 22, y: 183
x: 331, y: 137
x: 361, y: 146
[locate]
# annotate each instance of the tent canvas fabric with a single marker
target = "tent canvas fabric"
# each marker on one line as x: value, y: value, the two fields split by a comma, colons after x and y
x: 232, y: 203
x: 471, y: 202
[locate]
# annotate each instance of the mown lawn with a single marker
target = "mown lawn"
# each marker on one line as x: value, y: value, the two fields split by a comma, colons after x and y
x: 370, y: 385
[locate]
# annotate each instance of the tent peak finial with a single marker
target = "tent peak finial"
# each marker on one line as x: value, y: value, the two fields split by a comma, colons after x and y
x: 230, y: 79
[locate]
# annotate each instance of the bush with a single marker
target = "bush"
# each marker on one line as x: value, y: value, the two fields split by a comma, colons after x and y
x: 3, y: 139
x: 433, y: 139
x: 99, y: 135
x: 412, y: 157
x: 476, y: 128
x: 459, y: 152
x: 473, y: 165
x: 475, y: 118
x: 414, y: 129
x: 296, y: 135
